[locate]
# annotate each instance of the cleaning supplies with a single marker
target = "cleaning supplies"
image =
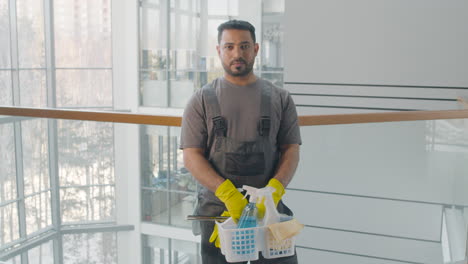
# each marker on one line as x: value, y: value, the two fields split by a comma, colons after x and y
x: 285, y: 230
x: 244, y: 244
x: 271, y: 214
x: 249, y: 217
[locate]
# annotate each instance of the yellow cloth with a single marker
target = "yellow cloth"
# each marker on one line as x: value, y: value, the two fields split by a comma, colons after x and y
x: 285, y: 230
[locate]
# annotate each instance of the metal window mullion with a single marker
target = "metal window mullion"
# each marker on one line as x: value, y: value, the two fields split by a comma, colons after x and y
x: 20, y: 186
x: 168, y: 176
x: 17, y: 125
x: 50, y: 53
x: 14, y: 57
x: 55, y: 188
x: 52, y: 131
x: 168, y: 51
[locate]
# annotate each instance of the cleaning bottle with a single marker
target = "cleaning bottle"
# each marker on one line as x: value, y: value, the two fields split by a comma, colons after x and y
x: 249, y: 215
x: 271, y: 214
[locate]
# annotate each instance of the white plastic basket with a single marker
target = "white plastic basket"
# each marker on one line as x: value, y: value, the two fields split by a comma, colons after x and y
x: 277, y: 249
x: 244, y: 244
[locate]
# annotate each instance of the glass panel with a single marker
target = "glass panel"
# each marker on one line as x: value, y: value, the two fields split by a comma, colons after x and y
x: 33, y: 91
x: 407, y: 175
x: 168, y: 208
x: 87, y: 204
x: 9, y: 226
x: 274, y: 77
x: 35, y: 156
x: 164, y: 250
x: 153, y: 88
x: 84, y: 88
x: 185, y: 4
x: 7, y: 163
x: 86, y: 158
x: 389, y: 157
x: 155, y: 2
x: 90, y: 248
x: 272, y: 41
x: 38, y: 212
x: 153, y: 38
x: 213, y: 62
x: 218, y: 7
x: 6, y: 97
x: 42, y: 254
x: 155, y: 206
x: 156, y: 250
x: 30, y: 17
x: 15, y: 260
x: 183, y: 86
x: 273, y: 6
x: 82, y: 33
x: 155, y: 155
x: 185, y: 251
x: 85, y: 153
x: 5, y: 60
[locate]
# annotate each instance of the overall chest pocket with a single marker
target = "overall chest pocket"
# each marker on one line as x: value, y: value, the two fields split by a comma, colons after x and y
x: 245, y: 164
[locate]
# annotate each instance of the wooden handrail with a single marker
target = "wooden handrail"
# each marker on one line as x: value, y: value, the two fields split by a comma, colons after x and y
x: 381, y: 117
x: 99, y: 116
x: 310, y: 120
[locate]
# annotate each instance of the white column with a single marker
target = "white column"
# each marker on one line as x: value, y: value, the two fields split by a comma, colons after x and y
x: 126, y: 137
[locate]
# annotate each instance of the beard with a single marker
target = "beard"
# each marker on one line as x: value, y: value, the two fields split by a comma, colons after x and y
x: 239, y: 71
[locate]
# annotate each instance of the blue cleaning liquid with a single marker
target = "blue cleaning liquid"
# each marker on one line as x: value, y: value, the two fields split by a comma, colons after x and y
x: 249, y: 216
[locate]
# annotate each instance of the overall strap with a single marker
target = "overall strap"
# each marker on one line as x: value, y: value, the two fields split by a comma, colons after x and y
x: 265, y: 109
x: 212, y: 107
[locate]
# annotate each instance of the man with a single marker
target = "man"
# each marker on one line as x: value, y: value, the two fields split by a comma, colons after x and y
x: 238, y: 130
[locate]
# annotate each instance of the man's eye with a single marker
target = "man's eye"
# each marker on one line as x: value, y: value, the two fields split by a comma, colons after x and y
x: 246, y: 46
x: 229, y: 47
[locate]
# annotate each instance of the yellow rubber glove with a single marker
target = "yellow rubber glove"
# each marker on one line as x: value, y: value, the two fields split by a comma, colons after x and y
x: 232, y: 199
x: 214, y: 236
x: 279, y: 192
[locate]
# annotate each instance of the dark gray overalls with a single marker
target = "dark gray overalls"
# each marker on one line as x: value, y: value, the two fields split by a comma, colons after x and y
x: 250, y: 163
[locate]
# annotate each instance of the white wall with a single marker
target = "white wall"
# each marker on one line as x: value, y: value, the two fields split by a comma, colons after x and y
x: 375, y: 192
x: 416, y: 50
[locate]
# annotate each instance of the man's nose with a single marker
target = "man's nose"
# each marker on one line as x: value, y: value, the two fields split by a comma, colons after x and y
x: 237, y: 52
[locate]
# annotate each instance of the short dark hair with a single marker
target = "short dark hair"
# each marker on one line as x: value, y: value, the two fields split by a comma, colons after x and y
x: 236, y: 24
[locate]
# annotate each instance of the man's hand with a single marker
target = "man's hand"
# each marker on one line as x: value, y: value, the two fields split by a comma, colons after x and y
x: 279, y: 192
x: 214, y: 238
x: 232, y: 199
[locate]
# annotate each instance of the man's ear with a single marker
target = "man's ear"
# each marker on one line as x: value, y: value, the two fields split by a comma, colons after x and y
x: 256, y: 47
x: 218, y: 49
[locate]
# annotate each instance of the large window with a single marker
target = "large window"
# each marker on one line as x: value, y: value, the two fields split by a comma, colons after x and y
x: 178, y: 45
x: 54, y: 54
x: 169, y: 190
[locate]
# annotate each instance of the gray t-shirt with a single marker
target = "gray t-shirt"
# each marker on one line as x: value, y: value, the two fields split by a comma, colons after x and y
x: 240, y: 106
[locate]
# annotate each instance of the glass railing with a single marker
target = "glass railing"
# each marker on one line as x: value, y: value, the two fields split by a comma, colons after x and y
x: 391, y: 192
x: 380, y: 192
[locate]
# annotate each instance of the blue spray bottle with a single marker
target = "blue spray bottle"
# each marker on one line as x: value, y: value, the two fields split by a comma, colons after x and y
x: 249, y: 215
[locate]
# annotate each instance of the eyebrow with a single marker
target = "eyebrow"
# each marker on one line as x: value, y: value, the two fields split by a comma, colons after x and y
x: 232, y: 43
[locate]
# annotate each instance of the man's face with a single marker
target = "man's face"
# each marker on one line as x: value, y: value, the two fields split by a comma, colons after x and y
x: 237, y: 52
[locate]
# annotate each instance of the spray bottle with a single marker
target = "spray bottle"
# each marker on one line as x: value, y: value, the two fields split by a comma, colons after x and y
x: 271, y: 214
x: 249, y: 215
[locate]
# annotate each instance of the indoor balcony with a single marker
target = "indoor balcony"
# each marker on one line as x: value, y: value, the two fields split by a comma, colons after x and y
x: 107, y: 187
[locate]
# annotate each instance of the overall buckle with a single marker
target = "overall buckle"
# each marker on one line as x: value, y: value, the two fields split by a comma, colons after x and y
x: 219, y: 126
x: 265, y: 124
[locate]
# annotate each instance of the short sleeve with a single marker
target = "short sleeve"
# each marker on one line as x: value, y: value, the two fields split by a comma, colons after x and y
x: 194, y: 130
x: 289, y: 132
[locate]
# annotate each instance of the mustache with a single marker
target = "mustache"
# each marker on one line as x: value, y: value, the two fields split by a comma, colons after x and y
x: 238, y: 61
